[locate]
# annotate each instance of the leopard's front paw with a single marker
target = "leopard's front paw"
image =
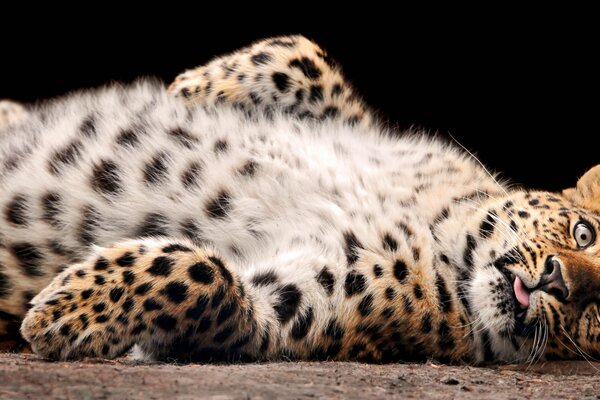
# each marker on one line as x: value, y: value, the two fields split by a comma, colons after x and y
x: 86, y: 310
x: 11, y: 113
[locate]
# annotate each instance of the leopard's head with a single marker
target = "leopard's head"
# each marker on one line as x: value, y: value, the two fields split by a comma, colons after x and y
x: 536, y: 293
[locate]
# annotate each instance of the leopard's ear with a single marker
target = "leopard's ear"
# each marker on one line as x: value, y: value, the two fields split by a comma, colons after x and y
x: 587, y: 192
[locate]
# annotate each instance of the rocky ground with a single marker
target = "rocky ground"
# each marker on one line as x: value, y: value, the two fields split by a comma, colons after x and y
x: 27, y: 376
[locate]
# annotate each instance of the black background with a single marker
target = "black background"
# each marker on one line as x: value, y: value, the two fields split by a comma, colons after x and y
x: 518, y: 89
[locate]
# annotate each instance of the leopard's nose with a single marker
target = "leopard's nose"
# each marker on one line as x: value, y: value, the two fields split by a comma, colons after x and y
x: 552, y: 281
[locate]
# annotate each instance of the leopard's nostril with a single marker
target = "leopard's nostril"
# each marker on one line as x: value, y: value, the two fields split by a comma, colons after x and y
x: 550, y: 265
x: 552, y: 281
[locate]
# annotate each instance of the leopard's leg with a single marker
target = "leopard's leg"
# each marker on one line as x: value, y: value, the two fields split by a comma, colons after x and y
x: 179, y: 301
x: 290, y: 74
x: 11, y: 113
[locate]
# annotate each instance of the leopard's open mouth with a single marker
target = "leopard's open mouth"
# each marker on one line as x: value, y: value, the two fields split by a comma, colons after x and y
x: 520, y: 295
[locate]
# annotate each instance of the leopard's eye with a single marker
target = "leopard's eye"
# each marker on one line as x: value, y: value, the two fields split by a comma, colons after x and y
x: 584, y: 234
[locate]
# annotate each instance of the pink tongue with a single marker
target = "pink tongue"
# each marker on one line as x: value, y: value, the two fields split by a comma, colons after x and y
x: 521, y: 292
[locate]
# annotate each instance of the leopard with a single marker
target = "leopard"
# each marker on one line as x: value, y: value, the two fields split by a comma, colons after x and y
x: 258, y: 210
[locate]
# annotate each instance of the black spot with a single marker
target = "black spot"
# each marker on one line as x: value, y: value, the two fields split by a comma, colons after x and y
x: 249, y: 168
x: 138, y: 328
x: 281, y: 81
x: 264, y: 346
x: 99, y: 307
x: 154, y: 224
x: 128, y: 137
x: 443, y: 295
x: 56, y: 314
x: 226, y: 312
x: 224, y: 334
x: 330, y: 112
x: 352, y: 247
x: 302, y: 325
x: 64, y: 157
x: 221, y: 146
x: 175, y: 291
x: 299, y: 95
x: 219, y: 206
x: 16, y: 211
x: 165, y: 322
x: 115, y: 294
x: 102, y: 318
x: 101, y: 264
x: 426, y: 323
x: 288, y: 303
x: 201, y: 272
x: 416, y: 252
x: 127, y: 305
x: 336, y: 90
x: 241, y: 342
x: 29, y: 257
x: 189, y: 177
x: 387, y: 312
x: 88, y: 126
x: 418, y: 291
x: 84, y: 320
x: 524, y: 214
x: 488, y: 353
x: 389, y: 243
x: 128, y: 277
x: 408, y: 307
x: 446, y: 342
x: 289, y: 43
x: 86, y: 293
x: 151, y: 305
x: 307, y: 66
x: 316, y: 93
x: 196, y: 311
x: 261, y: 58
x: 204, y: 324
x: 60, y: 249
x: 156, y: 169
x: 468, y: 252
x: 534, y: 202
x: 218, y: 297
x: 183, y: 137
x: 5, y: 288
x: 217, y: 262
x: 105, y: 350
x: 126, y: 260
x: 365, y: 307
x: 334, y: 330
x: 105, y: 178
x: 486, y: 229
x: 65, y: 329
x: 264, y: 279
x: 99, y: 280
x: 377, y: 270
x: 51, y: 205
x: 326, y: 279
x: 255, y: 98
x: 161, y: 266
x: 175, y: 247
x: 390, y: 293
x: 355, y: 283
x: 400, y: 271
x: 90, y: 221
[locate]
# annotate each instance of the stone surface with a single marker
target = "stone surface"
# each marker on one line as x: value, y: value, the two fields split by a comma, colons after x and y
x: 27, y: 376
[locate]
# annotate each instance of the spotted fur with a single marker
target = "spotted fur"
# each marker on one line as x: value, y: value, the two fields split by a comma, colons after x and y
x: 231, y: 228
